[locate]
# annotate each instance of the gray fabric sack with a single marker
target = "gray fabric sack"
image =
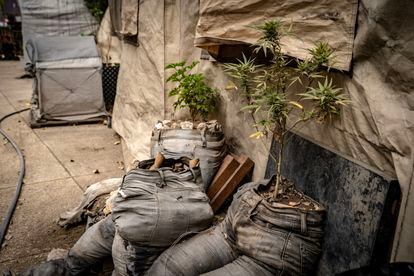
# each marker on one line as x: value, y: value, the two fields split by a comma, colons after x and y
x: 96, y: 244
x: 255, y: 238
x: 208, y: 146
x: 154, y: 208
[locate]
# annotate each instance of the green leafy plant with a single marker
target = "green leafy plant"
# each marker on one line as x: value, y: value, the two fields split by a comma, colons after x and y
x: 191, y: 90
x: 97, y: 8
x: 265, y: 88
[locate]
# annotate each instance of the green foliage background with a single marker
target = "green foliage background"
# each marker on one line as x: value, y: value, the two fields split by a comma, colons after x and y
x: 96, y: 7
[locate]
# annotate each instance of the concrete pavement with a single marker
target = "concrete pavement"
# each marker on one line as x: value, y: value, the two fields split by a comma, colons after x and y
x: 60, y: 164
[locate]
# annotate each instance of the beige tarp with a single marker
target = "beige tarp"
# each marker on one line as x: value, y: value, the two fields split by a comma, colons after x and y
x: 231, y: 22
x: 109, y: 45
x: 129, y: 17
x: 124, y: 15
x: 376, y: 131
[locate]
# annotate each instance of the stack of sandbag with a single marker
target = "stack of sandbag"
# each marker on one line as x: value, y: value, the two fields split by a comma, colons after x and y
x: 255, y: 238
x: 157, y: 204
x: 204, y: 141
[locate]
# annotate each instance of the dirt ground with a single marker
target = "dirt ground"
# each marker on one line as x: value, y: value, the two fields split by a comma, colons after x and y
x: 61, y: 162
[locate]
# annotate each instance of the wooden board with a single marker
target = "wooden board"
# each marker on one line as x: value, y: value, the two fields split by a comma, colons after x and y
x: 228, y: 178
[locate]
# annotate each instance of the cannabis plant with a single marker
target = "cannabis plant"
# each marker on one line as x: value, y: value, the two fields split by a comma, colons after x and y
x: 265, y: 88
x: 191, y: 90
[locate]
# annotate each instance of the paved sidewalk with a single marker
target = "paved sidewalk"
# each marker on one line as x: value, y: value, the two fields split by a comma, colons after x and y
x: 60, y: 164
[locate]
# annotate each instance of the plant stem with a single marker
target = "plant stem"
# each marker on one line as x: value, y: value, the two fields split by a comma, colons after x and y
x: 279, y: 166
x: 295, y: 124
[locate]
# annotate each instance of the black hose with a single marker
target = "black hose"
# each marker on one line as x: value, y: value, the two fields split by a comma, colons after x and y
x: 12, y: 207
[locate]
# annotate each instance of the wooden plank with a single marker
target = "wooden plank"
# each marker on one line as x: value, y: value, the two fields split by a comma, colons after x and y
x: 227, y: 168
x: 246, y: 165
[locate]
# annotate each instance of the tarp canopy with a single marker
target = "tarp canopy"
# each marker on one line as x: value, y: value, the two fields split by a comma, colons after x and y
x: 232, y: 22
x: 109, y: 45
x: 58, y: 48
x: 124, y: 15
x: 376, y: 131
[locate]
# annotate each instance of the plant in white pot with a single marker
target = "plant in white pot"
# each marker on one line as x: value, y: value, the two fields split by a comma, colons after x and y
x: 285, y: 92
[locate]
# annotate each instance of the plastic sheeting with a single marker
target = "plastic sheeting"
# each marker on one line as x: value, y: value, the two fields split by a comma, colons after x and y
x: 78, y: 213
x: 55, y: 18
x: 376, y: 131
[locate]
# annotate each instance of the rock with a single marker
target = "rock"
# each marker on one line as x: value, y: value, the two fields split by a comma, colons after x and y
x: 213, y: 125
x: 158, y: 125
x: 202, y: 126
x: 175, y: 125
x: 186, y: 125
x: 167, y: 123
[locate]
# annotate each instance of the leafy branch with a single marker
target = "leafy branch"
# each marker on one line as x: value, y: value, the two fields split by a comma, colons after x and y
x: 191, y: 90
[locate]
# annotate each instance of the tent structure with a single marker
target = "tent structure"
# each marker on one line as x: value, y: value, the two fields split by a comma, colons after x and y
x: 68, y: 82
x: 55, y: 18
x: 373, y: 42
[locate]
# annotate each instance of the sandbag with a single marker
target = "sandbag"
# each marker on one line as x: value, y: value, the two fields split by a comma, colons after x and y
x: 206, y: 143
x: 155, y: 207
x: 208, y: 253
x: 92, y: 247
x: 255, y: 238
x: 283, y: 237
x: 140, y: 258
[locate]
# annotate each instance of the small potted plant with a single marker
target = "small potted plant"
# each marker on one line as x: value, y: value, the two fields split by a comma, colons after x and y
x: 195, y: 138
x: 286, y: 92
x: 191, y: 91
